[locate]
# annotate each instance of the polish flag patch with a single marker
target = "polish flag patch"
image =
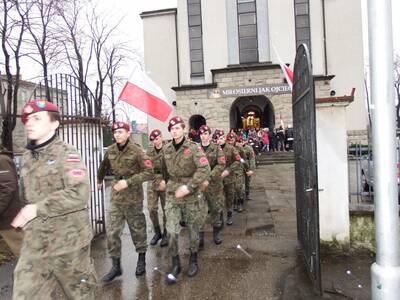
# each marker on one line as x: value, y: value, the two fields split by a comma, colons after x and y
x: 237, y: 157
x: 73, y: 158
x: 187, y: 151
x: 221, y: 159
x: 203, y: 161
x: 148, y: 163
x: 76, y: 173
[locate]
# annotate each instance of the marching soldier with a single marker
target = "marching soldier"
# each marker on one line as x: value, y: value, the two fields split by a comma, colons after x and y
x: 232, y: 160
x: 186, y: 169
x: 55, y: 219
x: 232, y: 139
x: 131, y: 167
x: 214, y: 192
x: 153, y: 192
x: 251, y: 159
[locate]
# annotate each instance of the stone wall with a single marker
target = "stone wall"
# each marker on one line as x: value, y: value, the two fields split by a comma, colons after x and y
x: 216, y: 109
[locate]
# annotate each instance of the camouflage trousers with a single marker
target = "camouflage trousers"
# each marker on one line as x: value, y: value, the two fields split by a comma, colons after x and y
x: 133, y: 214
x: 247, y: 181
x: 239, y: 186
x: 192, y: 213
x: 229, y: 192
x: 214, y: 205
x: 37, y: 278
x: 152, y: 205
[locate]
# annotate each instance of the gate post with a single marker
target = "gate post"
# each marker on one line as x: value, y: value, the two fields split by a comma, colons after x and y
x: 385, y: 272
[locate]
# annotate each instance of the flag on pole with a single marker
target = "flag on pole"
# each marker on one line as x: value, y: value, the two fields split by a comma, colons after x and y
x: 141, y: 92
x: 285, y: 69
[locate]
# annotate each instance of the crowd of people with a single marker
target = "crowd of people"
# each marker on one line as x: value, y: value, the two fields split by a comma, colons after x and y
x: 196, y: 183
x: 262, y: 139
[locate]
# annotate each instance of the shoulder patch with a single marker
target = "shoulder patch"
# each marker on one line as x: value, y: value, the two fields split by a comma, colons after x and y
x: 148, y: 163
x: 203, y: 161
x: 77, y: 173
x: 221, y: 158
x: 187, y: 151
x: 73, y: 158
x: 237, y: 157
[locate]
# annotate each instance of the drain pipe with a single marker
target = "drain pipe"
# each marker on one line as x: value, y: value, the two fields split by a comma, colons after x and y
x: 385, y: 272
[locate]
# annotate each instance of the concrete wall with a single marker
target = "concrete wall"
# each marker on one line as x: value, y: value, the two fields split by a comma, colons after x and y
x: 161, y: 56
x: 333, y: 174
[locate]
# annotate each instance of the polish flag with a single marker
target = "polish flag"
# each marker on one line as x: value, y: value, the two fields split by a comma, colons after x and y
x: 141, y: 92
x: 285, y: 69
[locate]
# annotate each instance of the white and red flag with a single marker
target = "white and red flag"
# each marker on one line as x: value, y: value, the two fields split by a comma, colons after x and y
x: 141, y: 92
x: 285, y: 69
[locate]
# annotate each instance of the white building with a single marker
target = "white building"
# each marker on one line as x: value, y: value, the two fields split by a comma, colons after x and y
x: 214, y: 59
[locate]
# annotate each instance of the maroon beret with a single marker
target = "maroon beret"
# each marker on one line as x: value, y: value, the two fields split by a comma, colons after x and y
x: 204, y: 128
x: 174, y: 121
x: 120, y: 125
x: 35, y: 106
x: 218, y: 133
x: 155, y: 133
x: 231, y: 136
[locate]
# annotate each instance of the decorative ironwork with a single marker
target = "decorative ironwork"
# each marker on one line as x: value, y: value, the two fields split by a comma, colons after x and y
x: 81, y: 128
x: 305, y: 148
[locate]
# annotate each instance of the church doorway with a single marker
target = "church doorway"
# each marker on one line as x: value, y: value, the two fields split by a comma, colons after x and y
x: 252, y: 112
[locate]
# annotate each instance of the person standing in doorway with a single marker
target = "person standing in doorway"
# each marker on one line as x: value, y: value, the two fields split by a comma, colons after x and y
x: 131, y: 167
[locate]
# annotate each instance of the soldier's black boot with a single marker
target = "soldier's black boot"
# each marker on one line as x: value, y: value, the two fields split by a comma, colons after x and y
x: 164, y: 240
x: 141, y: 264
x: 240, y: 205
x: 115, y: 270
x: 157, y: 236
x: 201, y: 240
x: 172, y: 276
x: 229, y: 220
x: 235, y: 205
x: 193, y: 267
x: 216, y: 237
x: 222, y: 219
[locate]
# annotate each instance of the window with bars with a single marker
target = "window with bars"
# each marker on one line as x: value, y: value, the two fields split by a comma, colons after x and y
x: 247, y: 22
x: 195, y: 38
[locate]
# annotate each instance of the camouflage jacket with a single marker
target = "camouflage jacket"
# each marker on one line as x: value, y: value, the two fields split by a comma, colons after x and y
x: 232, y: 158
x: 56, y: 180
x: 188, y: 165
x: 156, y: 158
x: 244, y: 163
x: 216, y: 159
x: 131, y: 164
x: 250, y: 156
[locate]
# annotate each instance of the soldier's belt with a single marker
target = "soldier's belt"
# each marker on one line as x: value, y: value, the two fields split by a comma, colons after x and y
x: 118, y: 177
x: 157, y: 172
x: 180, y: 179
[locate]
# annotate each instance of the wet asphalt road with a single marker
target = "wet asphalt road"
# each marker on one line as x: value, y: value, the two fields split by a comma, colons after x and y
x: 266, y: 230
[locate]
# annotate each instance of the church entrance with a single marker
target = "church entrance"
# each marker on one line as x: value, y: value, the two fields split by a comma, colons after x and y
x: 252, y: 112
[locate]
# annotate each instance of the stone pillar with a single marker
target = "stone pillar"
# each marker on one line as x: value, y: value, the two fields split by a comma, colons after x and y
x: 333, y: 173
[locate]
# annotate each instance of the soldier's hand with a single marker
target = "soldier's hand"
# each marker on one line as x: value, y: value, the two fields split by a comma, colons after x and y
x: 249, y: 173
x: 99, y: 186
x: 162, y: 186
x: 182, y: 191
x: 120, y: 185
x: 27, y: 213
x: 204, y: 184
x: 224, y: 173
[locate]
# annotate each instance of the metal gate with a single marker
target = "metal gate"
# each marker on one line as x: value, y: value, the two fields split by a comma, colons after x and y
x: 305, y: 148
x: 81, y: 127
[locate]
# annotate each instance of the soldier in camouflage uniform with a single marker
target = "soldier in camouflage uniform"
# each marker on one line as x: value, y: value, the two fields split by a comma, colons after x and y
x: 55, y: 219
x: 239, y: 173
x: 251, y: 159
x: 131, y: 167
x: 153, y: 189
x: 214, y: 192
x: 186, y: 169
x: 232, y: 159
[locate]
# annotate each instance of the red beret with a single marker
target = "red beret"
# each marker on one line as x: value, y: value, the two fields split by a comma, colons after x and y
x: 218, y: 133
x: 204, y: 128
x: 174, y: 121
x: 155, y: 133
x: 239, y: 139
x: 231, y: 136
x: 120, y: 125
x: 35, y: 106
